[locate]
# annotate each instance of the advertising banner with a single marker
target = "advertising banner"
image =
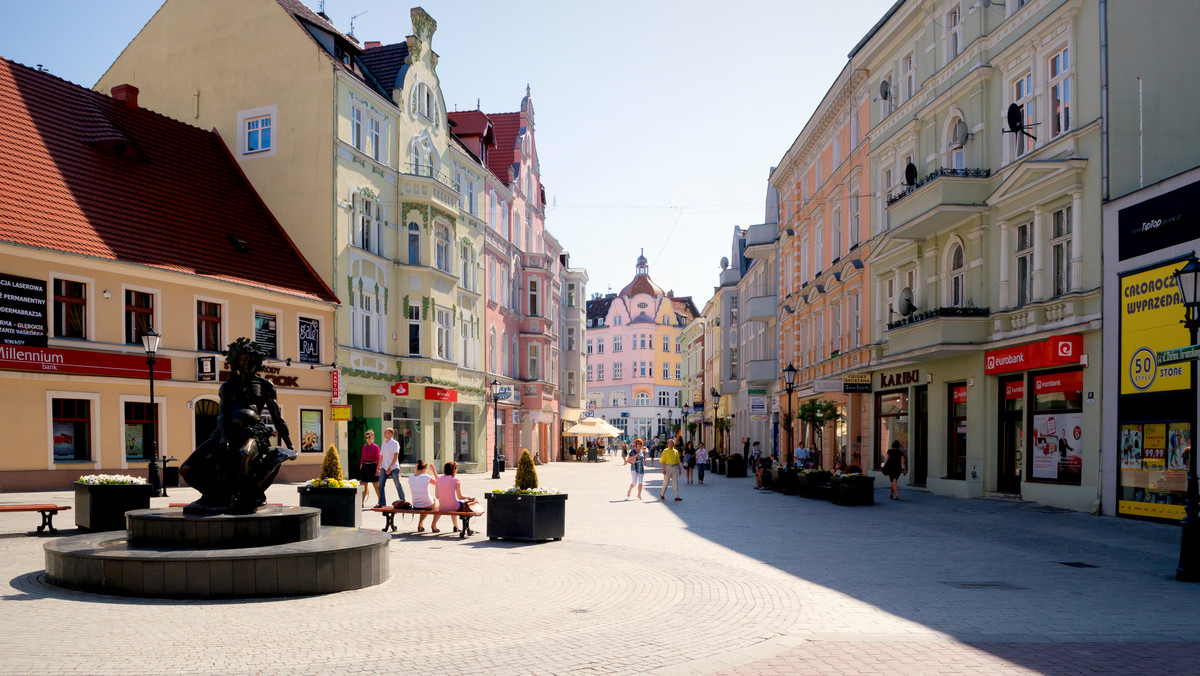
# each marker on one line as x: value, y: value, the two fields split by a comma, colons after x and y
x: 1131, y: 446
x: 264, y: 333
x: 1058, y: 447
x: 310, y: 341
x: 1151, y: 308
x: 310, y: 430
x: 206, y: 369
x: 1154, y: 446
x: 758, y: 403
x: 22, y: 311
x: 1055, y: 351
x: 335, y: 385
x: 81, y: 362
x: 856, y: 382
x: 339, y: 411
x: 441, y: 394
x: 1179, y: 445
x: 64, y: 441
x: 400, y: 389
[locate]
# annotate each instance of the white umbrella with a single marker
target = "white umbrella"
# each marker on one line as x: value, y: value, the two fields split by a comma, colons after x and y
x: 592, y: 427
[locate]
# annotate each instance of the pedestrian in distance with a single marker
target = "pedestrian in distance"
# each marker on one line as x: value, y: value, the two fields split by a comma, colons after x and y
x: 755, y: 454
x: 702, y: 460
x: 389, y: 466
x: 895, y: 465
x: 418, y: 485
x: 689, y: 461
x: 636, y: 460
x: 368, y: 467
x: 670, y: 470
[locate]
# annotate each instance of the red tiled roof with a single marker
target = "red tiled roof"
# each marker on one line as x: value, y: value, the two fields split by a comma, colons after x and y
x: 469, y: 122
x: 507, y: 126
x: 83, y: 173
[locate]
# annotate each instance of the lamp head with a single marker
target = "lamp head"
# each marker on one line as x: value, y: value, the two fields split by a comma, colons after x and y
x: 789, y: 376
x: 151, y: 341
x: 1188, y: 279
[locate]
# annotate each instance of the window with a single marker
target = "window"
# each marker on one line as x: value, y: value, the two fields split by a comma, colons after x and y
x: 1024, y: 263
x: 258, y: 134
x: 414, y: 329
x: 414, y: 244
x: 599, y: 371
x: 666, y: 344
x: 666, y: 370
x: 819, y: 248
x: 1060, y: 93
x: 70, y: 309
x: 664, y: 398
x: 1061, y: 248
x: 588, y: 342
x: 679, y: 371
x: 441, y: 247
x: 856, y: 319
x: 616, y: 344
x: 491, y: 356
x: 678, y: 347
x: 368, y: 321
x: 72, y: 432
x: 571, y: 340
x: 445, y: 349
x: 589, y: 373
x: 885, y: 104
x: 733, y: 362
x: 570, y: 295
x: 369, y: 236
x: 208, y: 326
x: 467, y: 260
x: 854, y: 221
x: 425, y: 101
x: 642, y: 370
x: 376, y: 140
x: 910, y: 78
x: 953, y: 34
x: 617, y: 369
x: 835, y: 334
x: 356, y: 128
x: 534, y: 373
x: 641, y: 399
x: 957, y: 277
x: 139, y: 424
x: 139, y: 315
x: 891, y: 298
x: 599, y: 345
x: 533, y: 297
x: 1023, y: 97
x: 835, y: 234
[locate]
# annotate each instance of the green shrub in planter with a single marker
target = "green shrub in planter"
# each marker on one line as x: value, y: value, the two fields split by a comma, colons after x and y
x: 525, y: 511
x: 336, y: 497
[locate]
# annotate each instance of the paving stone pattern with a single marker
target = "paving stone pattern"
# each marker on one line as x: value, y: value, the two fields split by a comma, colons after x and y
x: 730, y: 580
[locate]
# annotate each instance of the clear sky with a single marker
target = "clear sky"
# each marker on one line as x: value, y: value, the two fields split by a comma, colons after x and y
x: 657, y: 121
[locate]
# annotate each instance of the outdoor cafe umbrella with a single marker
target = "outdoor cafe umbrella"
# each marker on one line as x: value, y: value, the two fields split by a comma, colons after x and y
x: 592, y: 427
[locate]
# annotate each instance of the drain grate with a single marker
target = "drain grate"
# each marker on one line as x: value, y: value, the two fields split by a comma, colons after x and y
x: 1076, y: 564
x: 991, y: 584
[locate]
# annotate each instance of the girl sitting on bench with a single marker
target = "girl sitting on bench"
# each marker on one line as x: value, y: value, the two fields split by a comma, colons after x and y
x: 418, y: 485
x: 450, y: 496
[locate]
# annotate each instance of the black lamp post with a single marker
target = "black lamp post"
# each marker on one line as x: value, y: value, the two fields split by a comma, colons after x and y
x: 496, y: 424
x: 670, y: 423
x: 658, y: 425
x: 1188, y: 280
x: 151, y: 340
x: 789, y: 382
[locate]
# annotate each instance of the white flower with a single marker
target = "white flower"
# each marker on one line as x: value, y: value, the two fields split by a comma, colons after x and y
x: 110, y: 479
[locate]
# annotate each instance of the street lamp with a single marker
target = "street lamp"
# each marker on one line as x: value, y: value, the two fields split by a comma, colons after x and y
x: 789, y: 381
x: 1187, y: 280
x: 496, y: 424
x: 151, y: 341
x: 658, y: 428
x: 670, y: 423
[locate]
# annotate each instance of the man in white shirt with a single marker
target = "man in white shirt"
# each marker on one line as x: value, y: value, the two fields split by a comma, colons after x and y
x: 389, y: 466
x: 702, y: 460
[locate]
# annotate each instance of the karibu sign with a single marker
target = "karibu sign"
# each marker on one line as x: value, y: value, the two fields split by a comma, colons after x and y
x: 1056, y: 351
x: 22, y: 311
x: 1151, y: 307
x: 900, y: 379
x: 81, y: 362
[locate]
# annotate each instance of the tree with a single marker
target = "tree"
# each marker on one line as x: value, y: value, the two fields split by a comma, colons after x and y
x: 691, y: 427
x: 817, y: 413
x: 722, y: 427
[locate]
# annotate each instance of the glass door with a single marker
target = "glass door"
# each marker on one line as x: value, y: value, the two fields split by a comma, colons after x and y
x: 1012, y: 435
x: 918, y: 469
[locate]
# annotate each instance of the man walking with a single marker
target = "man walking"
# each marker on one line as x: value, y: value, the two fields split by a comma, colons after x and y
x: 670, y: 470
x: 701, y: 460
x: 389, y: 466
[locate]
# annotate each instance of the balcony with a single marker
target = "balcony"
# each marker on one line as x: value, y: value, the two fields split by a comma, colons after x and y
x: 761, y: 308
x: 940, y: 200
x: 761, y: 239
x: 939, y: 326
x: 762, y: 370
x: 421, y: 182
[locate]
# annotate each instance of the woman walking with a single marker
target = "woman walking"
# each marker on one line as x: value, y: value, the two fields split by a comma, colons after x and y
x: 896, y: 464
x: 689, y: 460
x: 368, y: 467
x: 637, y: 468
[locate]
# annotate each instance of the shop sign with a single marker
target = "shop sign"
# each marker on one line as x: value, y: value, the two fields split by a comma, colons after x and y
x: 959, y: 394
x: 758, y: 403
x: 310, y: 341
x: 271, y: 373
x: 1179, y: 354
x: 900, y: 379
x: 339, y: 412
x: 1072, y: 381
x: 1056, y: 351
x: 856, y: 382
x: 22, y: 311
x: 1151, y: 307
x: 336, y: 385
x: 827, y: 385
x: 400, y: 389
x: 516, y: 416
x: 1158, y: 222
x: 503, y: 393
x: 81, y: 362
x: 206, y: 369
x: 1014, y: 390
x: 265, y: 333
x: 440, y: 394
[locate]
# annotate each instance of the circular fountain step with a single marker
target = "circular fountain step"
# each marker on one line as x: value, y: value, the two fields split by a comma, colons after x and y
x: 172, y: 529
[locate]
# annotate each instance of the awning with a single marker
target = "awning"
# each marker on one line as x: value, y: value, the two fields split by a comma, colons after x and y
x: 568, y: 414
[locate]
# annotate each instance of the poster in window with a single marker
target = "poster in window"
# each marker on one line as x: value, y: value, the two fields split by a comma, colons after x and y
x: 1058, y: 447
x: 1154, y: 446
x: 310, y: 431
x: 22, y: 311
x: 310, y: 341
x: 1179, y: 445
x: 64, y: 441
x: 1131, y: 446
x: 134, y: 441
x: 264, y: 333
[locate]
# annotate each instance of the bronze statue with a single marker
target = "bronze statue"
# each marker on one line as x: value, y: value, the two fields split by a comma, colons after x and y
x: 233, y: 468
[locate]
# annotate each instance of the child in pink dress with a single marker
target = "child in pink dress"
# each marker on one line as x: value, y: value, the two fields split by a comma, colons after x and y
x: 450, y: 496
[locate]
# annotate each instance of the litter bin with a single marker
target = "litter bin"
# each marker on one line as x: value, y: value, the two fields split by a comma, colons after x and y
x: 171, y: 477
x: 591, y: 455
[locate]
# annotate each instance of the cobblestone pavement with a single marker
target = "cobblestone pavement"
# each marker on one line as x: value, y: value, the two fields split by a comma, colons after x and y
x: 730, y: 580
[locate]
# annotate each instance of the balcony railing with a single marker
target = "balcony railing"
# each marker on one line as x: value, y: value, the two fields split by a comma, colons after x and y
x: 907, y: 190
x: 428, y: 172
x: 935, y: 313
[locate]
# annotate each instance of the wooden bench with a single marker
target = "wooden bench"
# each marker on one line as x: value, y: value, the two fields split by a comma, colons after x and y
x: 185, y: 504
x: 48, y: 512
x: 391, y: 512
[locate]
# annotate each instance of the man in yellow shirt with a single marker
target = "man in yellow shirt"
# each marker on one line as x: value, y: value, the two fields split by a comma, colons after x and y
x: 670, y: 470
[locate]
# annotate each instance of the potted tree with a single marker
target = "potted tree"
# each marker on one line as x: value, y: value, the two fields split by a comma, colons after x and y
x: 101, y: 500
x: 817, y: 413
x: 852, y: 488
x: 526, y: 511
x: 337, y: 498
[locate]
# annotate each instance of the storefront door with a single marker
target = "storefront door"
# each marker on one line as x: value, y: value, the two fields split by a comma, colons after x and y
x: 1012, y: 435
x: 919, y: 467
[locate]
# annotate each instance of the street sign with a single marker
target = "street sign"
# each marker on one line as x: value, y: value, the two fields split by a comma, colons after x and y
x: 1179, y: 354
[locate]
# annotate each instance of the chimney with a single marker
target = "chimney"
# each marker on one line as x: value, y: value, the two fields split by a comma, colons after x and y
x: 371, y: 44
x: 126, y: 93
x: 671, y: 293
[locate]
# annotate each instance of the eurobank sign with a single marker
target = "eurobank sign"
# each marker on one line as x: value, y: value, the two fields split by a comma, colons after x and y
x: 1056, y: 351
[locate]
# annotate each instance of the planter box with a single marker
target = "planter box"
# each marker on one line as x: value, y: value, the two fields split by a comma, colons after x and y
x: 735, y: 467
x: 785, y: 481
x: 100, y: 507
x: 852, y: 490
x: 526, y: 517
x: 814, y: 485
x: 339, y: 506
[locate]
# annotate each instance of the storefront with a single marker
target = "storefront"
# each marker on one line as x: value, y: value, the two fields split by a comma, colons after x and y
x: 438, y: 424
x: 902, y: 417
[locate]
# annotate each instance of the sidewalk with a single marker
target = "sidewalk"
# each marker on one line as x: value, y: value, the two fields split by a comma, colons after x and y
x: 730, y: 580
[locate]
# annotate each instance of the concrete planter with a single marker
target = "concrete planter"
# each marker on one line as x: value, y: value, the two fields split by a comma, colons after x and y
x: 852, y: 490
x: 100, y: 507
x: 814, y: 485
x: 735, y: 467
x: 526, y: 517
x: 339, y: 506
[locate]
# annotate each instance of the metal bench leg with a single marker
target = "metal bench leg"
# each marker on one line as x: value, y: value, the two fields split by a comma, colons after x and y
x: 390, y: 523
x: 48, y: 520
x: 466, y: 528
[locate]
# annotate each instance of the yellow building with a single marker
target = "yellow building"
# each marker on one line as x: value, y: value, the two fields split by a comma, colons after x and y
x: 121, y: 222
x: 351, y: 146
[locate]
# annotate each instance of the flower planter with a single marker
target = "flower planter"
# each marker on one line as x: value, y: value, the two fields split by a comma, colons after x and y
x: 815, y: 485
x: 100, y: 507
x: 852, y: 490
x: 526, y: 517
x: 339, y: 506
x: 718, y: 466
x: 735, y: 467
x: 784, y: 481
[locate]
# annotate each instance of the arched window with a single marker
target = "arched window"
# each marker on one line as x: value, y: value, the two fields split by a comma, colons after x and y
x: 957, y: 277
x: 641, y: 399
x: 492, y: 352
x: 414, y: 244
x: 441, y: 244
x: 369, y: 235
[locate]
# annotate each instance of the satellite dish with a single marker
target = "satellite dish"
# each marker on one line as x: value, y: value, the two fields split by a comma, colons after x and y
x: 885, y: 88
x: 906, y: 302
x: 1016, y: 121
x: 910, y: 174
x: 724, y: 263
x: 960, y: 134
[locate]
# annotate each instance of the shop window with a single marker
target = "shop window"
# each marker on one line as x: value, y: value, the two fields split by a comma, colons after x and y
x: 312, y: 433
x: 139, y: 315
x: 139, y: 425
x: 208, y: 326
x: 956, y: 434
x: 1057, y: 453
x: 70, y: 309
x: 464, y: 432
x: 72, y: 429
x: 891, y: 423
x: 406, y: 420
